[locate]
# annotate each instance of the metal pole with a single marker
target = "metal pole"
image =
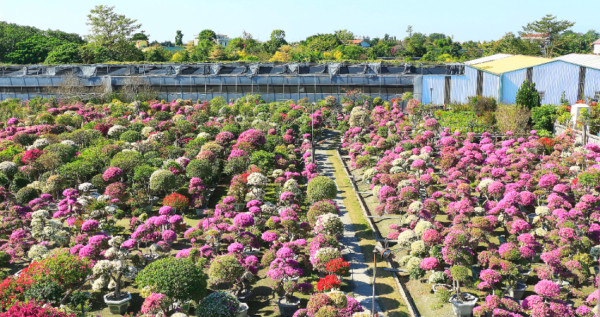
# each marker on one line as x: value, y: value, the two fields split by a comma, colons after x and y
x: 373, y: 312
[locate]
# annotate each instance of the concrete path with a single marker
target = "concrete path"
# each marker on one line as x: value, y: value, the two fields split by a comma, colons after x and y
x: 361, y: 278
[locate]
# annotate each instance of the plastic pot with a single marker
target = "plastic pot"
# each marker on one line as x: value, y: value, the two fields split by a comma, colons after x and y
x: 463, y: 308
x: 118, y: 306
x: 518, y: 291
x: 288, y: 308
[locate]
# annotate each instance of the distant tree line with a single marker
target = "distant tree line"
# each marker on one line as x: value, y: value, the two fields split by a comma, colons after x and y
x: 113, y: 37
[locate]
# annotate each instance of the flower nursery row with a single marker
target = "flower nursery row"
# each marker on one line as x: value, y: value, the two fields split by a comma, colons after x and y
x: 509, y: 225
x: 188, y: 205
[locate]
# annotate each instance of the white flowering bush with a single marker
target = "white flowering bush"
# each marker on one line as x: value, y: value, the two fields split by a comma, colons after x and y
x: 39, y: 144
x: 422, y: 226
x: 45, y: 229
x: 85, y: 187
x: 359, y: 117
x: 542, y: 211
x: 415, y: 207
x: 257, y: 179
x: 418, y: 249
x: 37, y: 252
x: 329, y: 224
x: 109, y: 273
x: 204, y: 135
x: 437, y: 277
x: 146, y: 131
x: 8, y: 168
x: 483, y: 185
x: 116, y: 130
x: 406, y: 237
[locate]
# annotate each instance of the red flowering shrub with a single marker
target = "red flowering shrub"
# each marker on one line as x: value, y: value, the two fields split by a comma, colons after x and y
x: 338, y: 267
x: 328, y: 282
x: 176, y: 201
x: 31, y: 155
x: 33, y: 309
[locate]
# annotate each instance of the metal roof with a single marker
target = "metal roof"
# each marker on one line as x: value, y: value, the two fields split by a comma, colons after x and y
x: 597, y: 42
x: 487, y: 59
x: 512, y: 63
x: 586, y: 60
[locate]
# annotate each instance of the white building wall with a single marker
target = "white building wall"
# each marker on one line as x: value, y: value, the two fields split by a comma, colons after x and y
x: 554, y: 78
x: 592, y: 82
x: 490, y: 85
x: 597, y: 49
x: 435, y: 96
x: 511, y: 82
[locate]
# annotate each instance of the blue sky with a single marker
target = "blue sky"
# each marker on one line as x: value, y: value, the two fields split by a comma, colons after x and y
x: 464, y: 19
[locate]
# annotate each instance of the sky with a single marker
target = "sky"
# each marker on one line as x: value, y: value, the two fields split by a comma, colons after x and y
x: 477, y: 20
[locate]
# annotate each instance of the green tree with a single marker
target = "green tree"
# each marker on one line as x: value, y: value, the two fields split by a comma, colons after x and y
x: 415, y: 44
x: 141, y: 36
x: 179, y: 38
x: 157, y: 54
x: 201, y: 52
x: 32, y: 50
x: 322, y: 42
x: 208, y: 35
x: 551, y: 26
x: 528, y: 96
x: 344, y: 35
x: 511, y: 44
x: 108, y: 28
x: 65, y: 54
x: 276, y: 41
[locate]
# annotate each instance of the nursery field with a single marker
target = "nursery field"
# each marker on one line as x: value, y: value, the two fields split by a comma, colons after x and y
x: 243, y: 208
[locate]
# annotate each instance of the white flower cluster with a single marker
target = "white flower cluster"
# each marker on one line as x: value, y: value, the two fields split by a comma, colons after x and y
x: 85, y: 187
x: 8, y: 168
x: 359, y: 118
x: 39, y: 144
x: 45, y: 229
x: 416, y: 206
x: 158, y: 137
x: 369, y: 174
x: 406, y: 237
x: 291, y: 185
x: 255, y: 193
x: 418, y: 248
x: 204, y: 135
x: 330, y: 224
x: 178, y: 117
x: 146, y: 131
x: 257, y: 179
x: 37, y: 252
x: 542, y: 211
x: 69, y: 143
x: 327, y: 253
x: 437, y: 277
x: 422, y: 226
x: 404, y: 183
x: 268, y: 208
x: 277, y: 173
x: 116, y: 130
x: 483, y: 185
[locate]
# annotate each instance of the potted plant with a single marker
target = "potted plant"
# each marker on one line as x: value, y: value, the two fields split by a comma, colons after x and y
x: 114, y: 270
x: 285, y: 270
x: 225, y: 271
x: 222, y: 304
x: 462, y: 303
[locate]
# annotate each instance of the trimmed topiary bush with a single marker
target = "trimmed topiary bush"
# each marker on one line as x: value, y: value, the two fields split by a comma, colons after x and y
x: 321, y: 188
x: 26, y: 194
x: 220, y: 304
x: 162, y: 180
x: 225, y: 269
x: 179, y: 279
x: 131, y: 136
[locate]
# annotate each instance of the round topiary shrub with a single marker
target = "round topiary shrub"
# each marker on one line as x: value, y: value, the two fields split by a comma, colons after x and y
x: 179, y: 279
x: 225, y: 269
x: 127, y: 161
x: 206, y: 170
x: 130, y: 136
x: 220, y: 304
x: 26, y: 194
x: 162, y: 180
x: 321, y: 188
x: 320, y: 208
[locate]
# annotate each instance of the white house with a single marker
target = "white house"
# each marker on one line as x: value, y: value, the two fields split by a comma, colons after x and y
x: 596, y: 45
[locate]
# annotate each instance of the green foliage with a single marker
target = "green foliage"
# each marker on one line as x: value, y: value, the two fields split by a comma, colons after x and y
x: 208, y: 35
x: 107, y: 28
x: 127, y: 160
x: 178, y: 279
x: 513, y: 118
x: 4, y: 258
x: 50, y: 292
x: 528, y: 96
x: 225, y: 269
x: 543, y: 117
x: 162, y: 181
x: 65, y: 152
x: 480, y: 105
x: 131, y: 136
x: 219, y: 304
x: 68, y: 53
x: 207, y: 171
x: 26, y: 194
x: 321, y: 188
x: 460, y: 273
x: 263, y: 159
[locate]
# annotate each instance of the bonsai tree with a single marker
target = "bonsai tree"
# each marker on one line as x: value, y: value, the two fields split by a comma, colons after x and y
x: 227, y: 269
x: 111, y: 272
x: 320, y: 188
x: 221, y: 304
x: 460, y: 274
x: 177, y: 278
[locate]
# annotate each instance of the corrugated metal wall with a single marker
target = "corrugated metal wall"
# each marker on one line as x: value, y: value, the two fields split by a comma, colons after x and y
x: 510, y: 85
x: 463, y: 87
x: 490, y: 85
x: 592, y: 82
x: 554, y: 78
x: 435, y: 96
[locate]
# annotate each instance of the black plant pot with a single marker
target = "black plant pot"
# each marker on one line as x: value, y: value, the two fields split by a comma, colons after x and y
x: 287, y: 309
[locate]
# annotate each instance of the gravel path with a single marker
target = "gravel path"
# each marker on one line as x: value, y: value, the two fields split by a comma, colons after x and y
x: 360, y: 279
